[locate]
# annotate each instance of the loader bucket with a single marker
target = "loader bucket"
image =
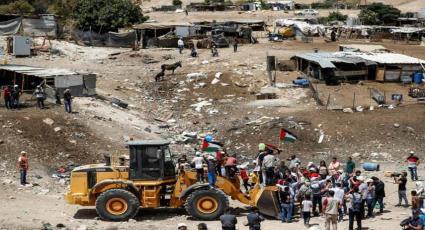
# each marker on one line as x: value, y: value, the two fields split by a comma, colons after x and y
x: 267, y: 202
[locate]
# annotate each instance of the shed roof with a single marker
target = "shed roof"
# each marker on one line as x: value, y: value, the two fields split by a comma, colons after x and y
x: 386, y: 58
x: 37, y: 71
x: 364, y: 48
x: 327, y: 59
x: 159, y: 25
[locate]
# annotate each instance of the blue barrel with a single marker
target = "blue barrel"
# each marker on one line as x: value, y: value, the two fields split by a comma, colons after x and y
x: 368, y: 166
x: 301, y: 81
x: 417, y: 78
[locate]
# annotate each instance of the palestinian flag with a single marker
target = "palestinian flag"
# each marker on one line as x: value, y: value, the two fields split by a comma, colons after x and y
x: 286, y: 136
x: 210, y: 146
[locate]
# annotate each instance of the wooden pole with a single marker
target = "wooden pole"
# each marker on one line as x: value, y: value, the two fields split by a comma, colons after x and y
x: 354, y: 100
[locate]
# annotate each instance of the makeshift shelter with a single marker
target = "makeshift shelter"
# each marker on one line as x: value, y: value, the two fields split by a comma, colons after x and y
x: 407, y: 34
x: 150, y: 33
x: 331, y: 67
x: 55, y: 80
x: 282, y: 5
x: 391, y: 66
x: 35, y: 27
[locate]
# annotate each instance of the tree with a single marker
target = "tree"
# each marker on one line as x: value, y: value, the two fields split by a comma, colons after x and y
x: 17, y: 7
x: 177, y: 3
x: 378, y: 13
x: 106, y: 15
x: 333, y: 16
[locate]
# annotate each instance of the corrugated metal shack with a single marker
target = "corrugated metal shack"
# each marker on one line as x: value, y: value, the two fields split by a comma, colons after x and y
x: 56, y: 80
x: 332, y: 68
x: 379, y: 66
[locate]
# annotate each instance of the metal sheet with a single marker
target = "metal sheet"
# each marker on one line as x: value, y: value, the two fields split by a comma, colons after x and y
x: 68, y: 81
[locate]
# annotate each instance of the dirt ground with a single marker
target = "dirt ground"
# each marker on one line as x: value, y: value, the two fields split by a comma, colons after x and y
x: 220, y: 100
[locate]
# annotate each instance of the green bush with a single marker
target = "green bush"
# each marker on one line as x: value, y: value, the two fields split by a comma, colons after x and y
x: 106, y: 15
x: 378, y: 13
x: 177, y: 2
x: 333, y: 16
x: 17, y: 7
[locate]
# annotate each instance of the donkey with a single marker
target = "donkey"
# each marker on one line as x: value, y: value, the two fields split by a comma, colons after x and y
x: 171, y: 67
x: 159, y: 76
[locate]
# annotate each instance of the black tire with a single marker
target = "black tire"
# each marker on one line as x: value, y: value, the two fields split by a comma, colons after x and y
x: 217, y: 197
x: 117, y: 195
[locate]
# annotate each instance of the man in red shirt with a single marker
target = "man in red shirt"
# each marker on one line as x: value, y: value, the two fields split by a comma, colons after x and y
x: 23, y: 167
x: 230, y: 166
x: 244, y: 176
x: 6, y: 96
x: 412, y: 165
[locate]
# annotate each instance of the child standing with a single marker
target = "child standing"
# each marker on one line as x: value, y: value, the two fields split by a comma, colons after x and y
x: 307, y: 205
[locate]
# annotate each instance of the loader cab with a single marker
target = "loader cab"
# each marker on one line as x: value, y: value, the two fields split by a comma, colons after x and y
x: 151, y: 160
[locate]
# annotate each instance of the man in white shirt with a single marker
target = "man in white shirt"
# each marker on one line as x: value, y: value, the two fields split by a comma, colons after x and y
x: 269, y: 163
x: 339, y: 194
x: 180, y: 44
x: 199, y: 161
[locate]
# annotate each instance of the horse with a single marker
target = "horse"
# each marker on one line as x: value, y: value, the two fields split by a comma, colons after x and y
x: 171, y: 67
x: 159, y: 76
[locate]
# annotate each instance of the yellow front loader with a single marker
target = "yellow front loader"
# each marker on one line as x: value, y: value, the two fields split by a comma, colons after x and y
x: 150, y: 181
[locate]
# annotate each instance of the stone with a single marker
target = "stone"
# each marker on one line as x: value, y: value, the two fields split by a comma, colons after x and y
x: 57, y: 129
x: 12, y: 197
x: 48, y: 121
x: 82, y: 227
x: 1, y: 141
x: 132, y: 221
x: 60, y: 225
x: 347, y: 110
x: 396, y: 125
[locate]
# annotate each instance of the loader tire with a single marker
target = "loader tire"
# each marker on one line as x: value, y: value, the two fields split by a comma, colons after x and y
x: 117, y: 205
x: 206, y: 204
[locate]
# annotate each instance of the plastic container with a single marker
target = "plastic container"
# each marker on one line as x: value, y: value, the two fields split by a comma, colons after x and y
x: 368, y: 166
x: 302, y: 82
x: 417, y: 78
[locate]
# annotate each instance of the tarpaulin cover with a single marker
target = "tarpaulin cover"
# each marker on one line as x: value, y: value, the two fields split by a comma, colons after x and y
x: 89, y: 38
x: 39, y: 27
x: 10, y: 27
x: 121, y: 39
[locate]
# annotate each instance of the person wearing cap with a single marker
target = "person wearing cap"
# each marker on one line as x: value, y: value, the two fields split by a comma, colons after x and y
x: 402, y: 181
x: 181, y: 226
x: 23, y: 167
x: 412, y: 165
x: 40, y: 96
x: 212, y: 177
x: 262, y: 152
x: 199, y: 161
x: 67, y: 100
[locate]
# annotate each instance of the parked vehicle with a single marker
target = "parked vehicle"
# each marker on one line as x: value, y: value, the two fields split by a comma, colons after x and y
x: 307, y: 12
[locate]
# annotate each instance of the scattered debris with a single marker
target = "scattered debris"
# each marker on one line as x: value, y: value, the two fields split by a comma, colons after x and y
x: 48, y: 121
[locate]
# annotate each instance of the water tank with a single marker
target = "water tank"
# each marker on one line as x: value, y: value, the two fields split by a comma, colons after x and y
x: 21, y: 46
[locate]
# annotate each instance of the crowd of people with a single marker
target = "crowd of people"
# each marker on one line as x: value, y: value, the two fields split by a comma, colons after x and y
x: 331, y: 190
x: 11, y: 96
